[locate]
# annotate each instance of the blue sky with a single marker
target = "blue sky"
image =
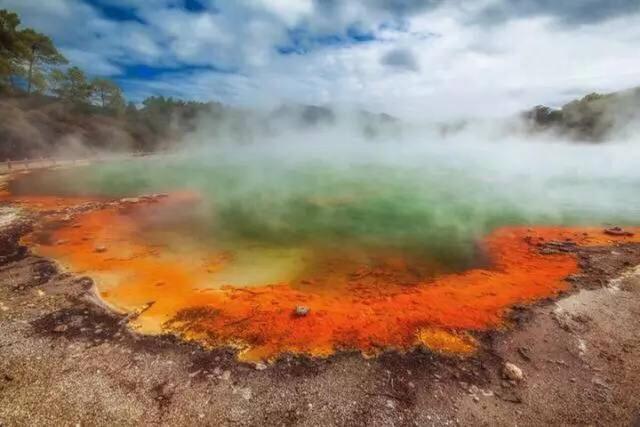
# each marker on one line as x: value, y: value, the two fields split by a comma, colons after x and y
x: 417, y: 58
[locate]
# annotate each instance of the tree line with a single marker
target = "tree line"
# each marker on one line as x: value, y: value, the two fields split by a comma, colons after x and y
x: 30, y: 62
x: 56, y: 98
x: 594, y: 118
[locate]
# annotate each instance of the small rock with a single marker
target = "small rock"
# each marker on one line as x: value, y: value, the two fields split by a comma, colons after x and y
x: 512, y: 372
x: 260, y: 366
x: 100, y: 249
x: 509, y: 395
x: 246, y: 393
x: 599, y: 383
x: 301, y: 311
x: 60, y: 328
x: 547, y: 251
x: 487, y: 393
x: 130, y: 200
x: 618, y: 232
x: 574, y: 278
x: 561, y: 246
x: 581, y: 318
x: 524, y: 353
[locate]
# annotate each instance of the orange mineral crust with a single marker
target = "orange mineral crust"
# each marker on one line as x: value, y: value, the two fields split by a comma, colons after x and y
x: 182, y: 288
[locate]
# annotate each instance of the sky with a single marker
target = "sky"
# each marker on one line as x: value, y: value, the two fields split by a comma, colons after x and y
x: 435, y: 59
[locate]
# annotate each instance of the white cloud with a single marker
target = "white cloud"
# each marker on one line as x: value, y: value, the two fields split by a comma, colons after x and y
x: 289, y: 11
x: 461, y: 66
x: 93, y: 63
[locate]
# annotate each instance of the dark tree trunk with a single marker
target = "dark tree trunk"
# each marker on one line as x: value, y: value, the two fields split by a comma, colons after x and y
x: 30, y: 77
x: 32, y: 61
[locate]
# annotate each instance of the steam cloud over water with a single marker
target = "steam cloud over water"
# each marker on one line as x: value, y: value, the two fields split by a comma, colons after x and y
x: 416, y: 192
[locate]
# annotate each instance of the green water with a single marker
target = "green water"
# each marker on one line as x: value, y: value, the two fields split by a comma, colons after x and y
x: 425, y: 203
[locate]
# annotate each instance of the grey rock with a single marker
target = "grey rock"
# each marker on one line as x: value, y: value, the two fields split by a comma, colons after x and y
x: 512, y: 372
x: 302, y: 311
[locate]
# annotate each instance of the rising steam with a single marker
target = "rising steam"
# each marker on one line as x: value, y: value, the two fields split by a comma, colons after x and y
x: 322, y: 178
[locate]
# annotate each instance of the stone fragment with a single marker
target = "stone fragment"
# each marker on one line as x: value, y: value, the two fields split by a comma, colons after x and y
x: 512, y: 372
x: 301, y: 311
x: 617, y: 232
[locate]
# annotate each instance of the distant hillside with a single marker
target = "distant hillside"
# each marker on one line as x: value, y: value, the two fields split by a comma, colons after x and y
x: 369, y: 125
x: 37, y: 125
x: 594, y: 118
x: 40, y: 126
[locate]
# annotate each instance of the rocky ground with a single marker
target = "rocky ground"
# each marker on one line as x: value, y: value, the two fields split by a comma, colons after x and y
x: 66, y: 360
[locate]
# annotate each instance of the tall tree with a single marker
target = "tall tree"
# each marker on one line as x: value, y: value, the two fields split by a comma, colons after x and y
x: 25, y: 53
x: 108, y: 95
x: 71, y: 86
x: 131, y: 110
x: 9, y: 22
x: 9, y: 46
x: 39, y: 53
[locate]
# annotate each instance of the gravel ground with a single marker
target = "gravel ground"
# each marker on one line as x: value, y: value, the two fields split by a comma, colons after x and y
x: 66, y: 360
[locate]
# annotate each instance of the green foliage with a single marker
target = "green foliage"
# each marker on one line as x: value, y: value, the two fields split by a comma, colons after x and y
x: 108, y: 95
x: 29, y: 56
x: 9, y: 23
x: 131, y: 110
x: 9, y: 46
x: 594, y: 117
x: 545, y: 116
x: 71, y: 86
x: 168, y: 117
x: 38, y: 54
x: 25, y: 53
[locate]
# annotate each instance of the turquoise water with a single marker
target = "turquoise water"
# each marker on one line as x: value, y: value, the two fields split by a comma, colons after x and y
x: 432, y: 201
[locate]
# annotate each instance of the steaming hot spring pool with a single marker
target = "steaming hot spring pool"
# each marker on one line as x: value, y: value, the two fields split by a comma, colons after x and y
x: 382, y: 250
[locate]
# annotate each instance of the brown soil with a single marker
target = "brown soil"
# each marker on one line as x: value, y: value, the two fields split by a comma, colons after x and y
x: 67, y: 360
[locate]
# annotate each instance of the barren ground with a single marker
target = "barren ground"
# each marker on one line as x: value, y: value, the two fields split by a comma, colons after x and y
x: 66, y: 360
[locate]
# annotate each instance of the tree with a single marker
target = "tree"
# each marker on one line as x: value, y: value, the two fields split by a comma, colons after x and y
x: 131, y: 112
x: 108, y: 95
x: 9, y: 46
x: 9, y: 23
x: 131, y: 109
x: 39, y: 52
x: 25, y: 53
x: 71, y: 86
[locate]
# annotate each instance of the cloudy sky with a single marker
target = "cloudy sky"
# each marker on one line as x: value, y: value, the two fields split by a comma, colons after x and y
x: 412, y: 58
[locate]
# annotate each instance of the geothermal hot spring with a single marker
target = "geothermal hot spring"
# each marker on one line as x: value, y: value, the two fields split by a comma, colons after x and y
x: 388, y: 246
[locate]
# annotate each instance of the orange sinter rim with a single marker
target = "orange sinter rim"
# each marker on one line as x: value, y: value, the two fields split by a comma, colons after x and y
x: 200, y: 294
